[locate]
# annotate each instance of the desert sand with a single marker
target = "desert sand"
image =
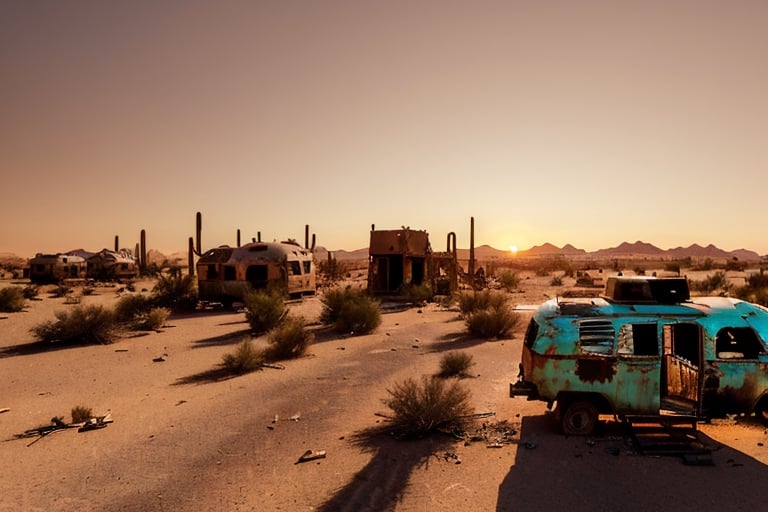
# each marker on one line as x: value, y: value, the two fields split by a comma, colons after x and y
x: 183, y: 438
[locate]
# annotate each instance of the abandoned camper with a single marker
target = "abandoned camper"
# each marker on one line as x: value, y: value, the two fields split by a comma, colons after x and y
x: 54, y: 268
x: 107, y: 265
x: 645, y: 348
x: 225, y: 274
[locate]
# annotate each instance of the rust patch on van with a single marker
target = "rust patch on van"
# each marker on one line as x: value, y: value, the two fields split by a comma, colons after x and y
x: 595, y: 370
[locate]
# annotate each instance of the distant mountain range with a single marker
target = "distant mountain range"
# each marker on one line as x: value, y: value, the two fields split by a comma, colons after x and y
x: 640, y: 250
x: 624, y: 250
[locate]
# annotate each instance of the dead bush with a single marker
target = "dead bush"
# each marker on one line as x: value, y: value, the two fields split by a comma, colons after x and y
x: 288, y: 340
x: 156, y: 318
x: 83, y: 324
x: 246, y: 358
x: 469, y: 302
x: 350, y: 311
x: 133, y: 306
x: 496, y: 321
x: 455, y: 364
x: 263, y: 309
x: 11, y: 299
x: 421, y: 408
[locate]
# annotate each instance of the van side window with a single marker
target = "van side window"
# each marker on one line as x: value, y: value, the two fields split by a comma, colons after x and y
x: 307, y: 267
x: 212, y: 274
x: 596, y: 336
x: 639, y: 339
x: 229, y: 273
x: 295, y: 268
x: 737, y: 343
x: 531, y: 332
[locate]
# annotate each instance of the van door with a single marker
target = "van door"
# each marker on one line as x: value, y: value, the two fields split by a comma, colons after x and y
x: 639, y: 367
x: 681, y: 369
x: 738, y: 375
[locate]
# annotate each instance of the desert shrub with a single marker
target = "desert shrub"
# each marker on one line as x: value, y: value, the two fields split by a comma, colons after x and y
x: 455, y: 364
x: 350, y: 310
x: 360, y: 315
x: 332, y: 270
x: 60, y: 290
x: 672, y: 267
x: 31, y: 291
x: 421, y: 408
x: 288, y: 340
x: 469, y: 302
x: 263, y: 309
x: 509, y: 280
x: 156, y: 318
x: 735, y: 265
x: 88, y: 290
x: 755, y: 290
x: 496, y: 321
x: 707, y: 264
x: 556, y: 281
x: 716, y: 281
x: 416, y: 293
x: 638, y: 270
x: 11, y: 299
x: 132, y: 306
x: 245, y: 359
x: 83, y: 324
x: 81, y: 413
x: 175, y: 291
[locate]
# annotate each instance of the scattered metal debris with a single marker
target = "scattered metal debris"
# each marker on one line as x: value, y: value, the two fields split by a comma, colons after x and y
x: 311, y: 455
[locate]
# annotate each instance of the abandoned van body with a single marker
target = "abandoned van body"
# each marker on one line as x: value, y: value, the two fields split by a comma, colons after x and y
x: 226, y: 274
x: 54, y: 268
x: 644, y: 348
x: 110, y: 265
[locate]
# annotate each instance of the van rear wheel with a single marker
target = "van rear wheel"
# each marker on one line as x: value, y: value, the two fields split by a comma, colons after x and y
x: 579, y: 418
x: 761, y: 411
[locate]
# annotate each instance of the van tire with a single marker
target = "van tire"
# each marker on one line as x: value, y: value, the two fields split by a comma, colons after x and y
x: 761, y: 411
x: 579, y: 418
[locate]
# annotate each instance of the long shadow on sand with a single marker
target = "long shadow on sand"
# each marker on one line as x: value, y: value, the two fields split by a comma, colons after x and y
x: 382, y: 483
x: 224, y: 339
x: 604, y: 472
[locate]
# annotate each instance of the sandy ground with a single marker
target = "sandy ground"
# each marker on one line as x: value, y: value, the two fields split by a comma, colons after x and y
x: 183, y: 439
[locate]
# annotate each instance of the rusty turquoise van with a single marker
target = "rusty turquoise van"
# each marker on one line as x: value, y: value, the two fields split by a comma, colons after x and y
x: 645, y: 348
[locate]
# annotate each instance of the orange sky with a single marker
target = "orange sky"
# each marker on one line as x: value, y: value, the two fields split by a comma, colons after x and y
x: 584, y: 122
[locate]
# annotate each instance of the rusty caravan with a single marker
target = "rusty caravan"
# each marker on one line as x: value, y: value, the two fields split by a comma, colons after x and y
x: 400, y: 258
x: 107, y: 265
x: 55, y: 268
x: 645, y: 348
x: 225, y: 274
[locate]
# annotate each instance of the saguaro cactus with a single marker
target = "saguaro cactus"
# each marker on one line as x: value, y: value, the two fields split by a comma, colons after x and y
x: 143, y: 253
x: 117, y: 243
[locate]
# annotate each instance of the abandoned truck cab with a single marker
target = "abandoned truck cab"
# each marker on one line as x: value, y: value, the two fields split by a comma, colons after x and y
x: 226, y: 274
x: 645, y: 348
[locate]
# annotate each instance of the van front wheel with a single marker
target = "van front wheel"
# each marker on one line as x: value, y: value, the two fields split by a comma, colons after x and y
x: 579, y: 418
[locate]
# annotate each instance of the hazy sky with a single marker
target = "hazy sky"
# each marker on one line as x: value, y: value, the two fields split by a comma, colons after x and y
x: 565, y: 121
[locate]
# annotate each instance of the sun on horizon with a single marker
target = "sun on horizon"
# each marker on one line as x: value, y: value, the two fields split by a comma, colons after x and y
x: 513, y: 249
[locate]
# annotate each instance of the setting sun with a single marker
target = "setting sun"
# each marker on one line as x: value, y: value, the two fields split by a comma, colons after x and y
x: 513, y: 249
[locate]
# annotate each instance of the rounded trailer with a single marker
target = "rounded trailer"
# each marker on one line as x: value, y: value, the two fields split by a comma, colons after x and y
x: 226, y: 274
